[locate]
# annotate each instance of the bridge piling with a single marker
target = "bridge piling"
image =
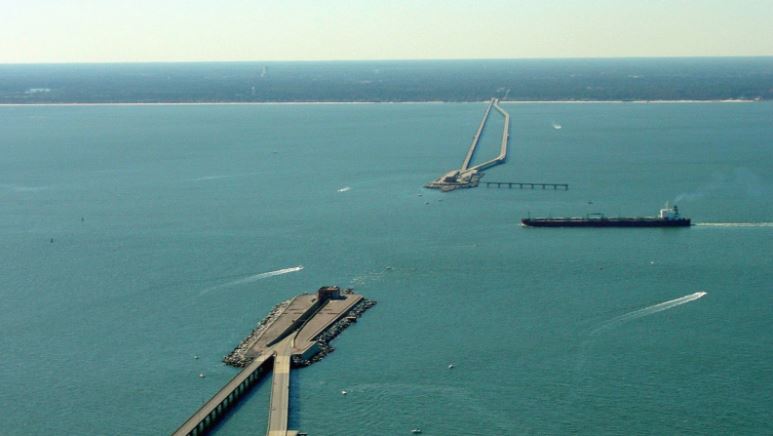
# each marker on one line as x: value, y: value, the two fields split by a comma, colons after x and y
x: 529, y: 185
x: 214, y: 409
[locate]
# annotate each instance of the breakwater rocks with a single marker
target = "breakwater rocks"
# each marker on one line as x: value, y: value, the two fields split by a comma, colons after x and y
x: 334, y: 330
x: 313, y: 320
x: 238, y: 357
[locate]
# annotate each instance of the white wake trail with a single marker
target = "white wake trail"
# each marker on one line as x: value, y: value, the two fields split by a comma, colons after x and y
x: 585, y: 344
x: 253, y: 278
x: 735, y: 225
x: 670, y: 304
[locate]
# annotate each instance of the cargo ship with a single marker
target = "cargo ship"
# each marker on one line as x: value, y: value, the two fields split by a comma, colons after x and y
x: 668, y: 217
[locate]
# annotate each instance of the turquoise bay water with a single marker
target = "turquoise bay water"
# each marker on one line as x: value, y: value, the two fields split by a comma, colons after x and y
x: 162, y: 217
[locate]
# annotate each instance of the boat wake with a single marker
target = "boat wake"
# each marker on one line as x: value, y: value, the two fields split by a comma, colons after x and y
x: 735, y: 225
x: 580, y: 376
x: 655, y: 308
x: 253, y: 278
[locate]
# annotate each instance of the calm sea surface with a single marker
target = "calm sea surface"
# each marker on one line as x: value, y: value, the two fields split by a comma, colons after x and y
x: 163, y: 219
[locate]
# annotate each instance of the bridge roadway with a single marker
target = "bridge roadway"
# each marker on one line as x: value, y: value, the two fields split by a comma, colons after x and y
x: 298, y: 343
x: 279, y: 408
x: 476, y: 138
x: 503, y: 145
x: 209, y: 412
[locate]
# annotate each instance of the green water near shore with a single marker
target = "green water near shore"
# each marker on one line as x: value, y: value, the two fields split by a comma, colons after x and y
x: 151, y: 206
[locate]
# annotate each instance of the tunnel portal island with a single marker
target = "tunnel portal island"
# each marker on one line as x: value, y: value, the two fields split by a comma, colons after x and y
x: 296, y: 333
x: 467, y: 176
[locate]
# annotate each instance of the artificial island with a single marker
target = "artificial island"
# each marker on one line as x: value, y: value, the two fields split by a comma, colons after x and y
x: 297, y: 332
x: 468, y: 176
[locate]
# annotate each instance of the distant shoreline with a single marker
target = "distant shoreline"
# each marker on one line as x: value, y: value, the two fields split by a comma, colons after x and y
x: 597, y: 81
x: 251, y: 103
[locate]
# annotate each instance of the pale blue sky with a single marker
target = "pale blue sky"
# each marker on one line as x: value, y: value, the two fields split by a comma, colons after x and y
x: 239, y: 30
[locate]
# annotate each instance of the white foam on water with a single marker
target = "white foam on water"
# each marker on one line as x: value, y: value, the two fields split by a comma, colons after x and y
x: 253, y: 278
x: 735, y: 225
x: 362, y: 279
x: 655, y: 308
x: 22, y: 188
x: 345, y: 188
x: 206, y: 178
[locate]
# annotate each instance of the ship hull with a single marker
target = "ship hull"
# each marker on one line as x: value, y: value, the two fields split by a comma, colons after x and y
x: 605, y: 222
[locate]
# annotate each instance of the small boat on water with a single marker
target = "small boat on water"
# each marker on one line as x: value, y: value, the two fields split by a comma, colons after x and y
x: 668, y: 217
x: 416, y: 431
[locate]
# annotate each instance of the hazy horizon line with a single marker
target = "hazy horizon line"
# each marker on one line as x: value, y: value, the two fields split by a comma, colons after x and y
x: 599, y: 58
